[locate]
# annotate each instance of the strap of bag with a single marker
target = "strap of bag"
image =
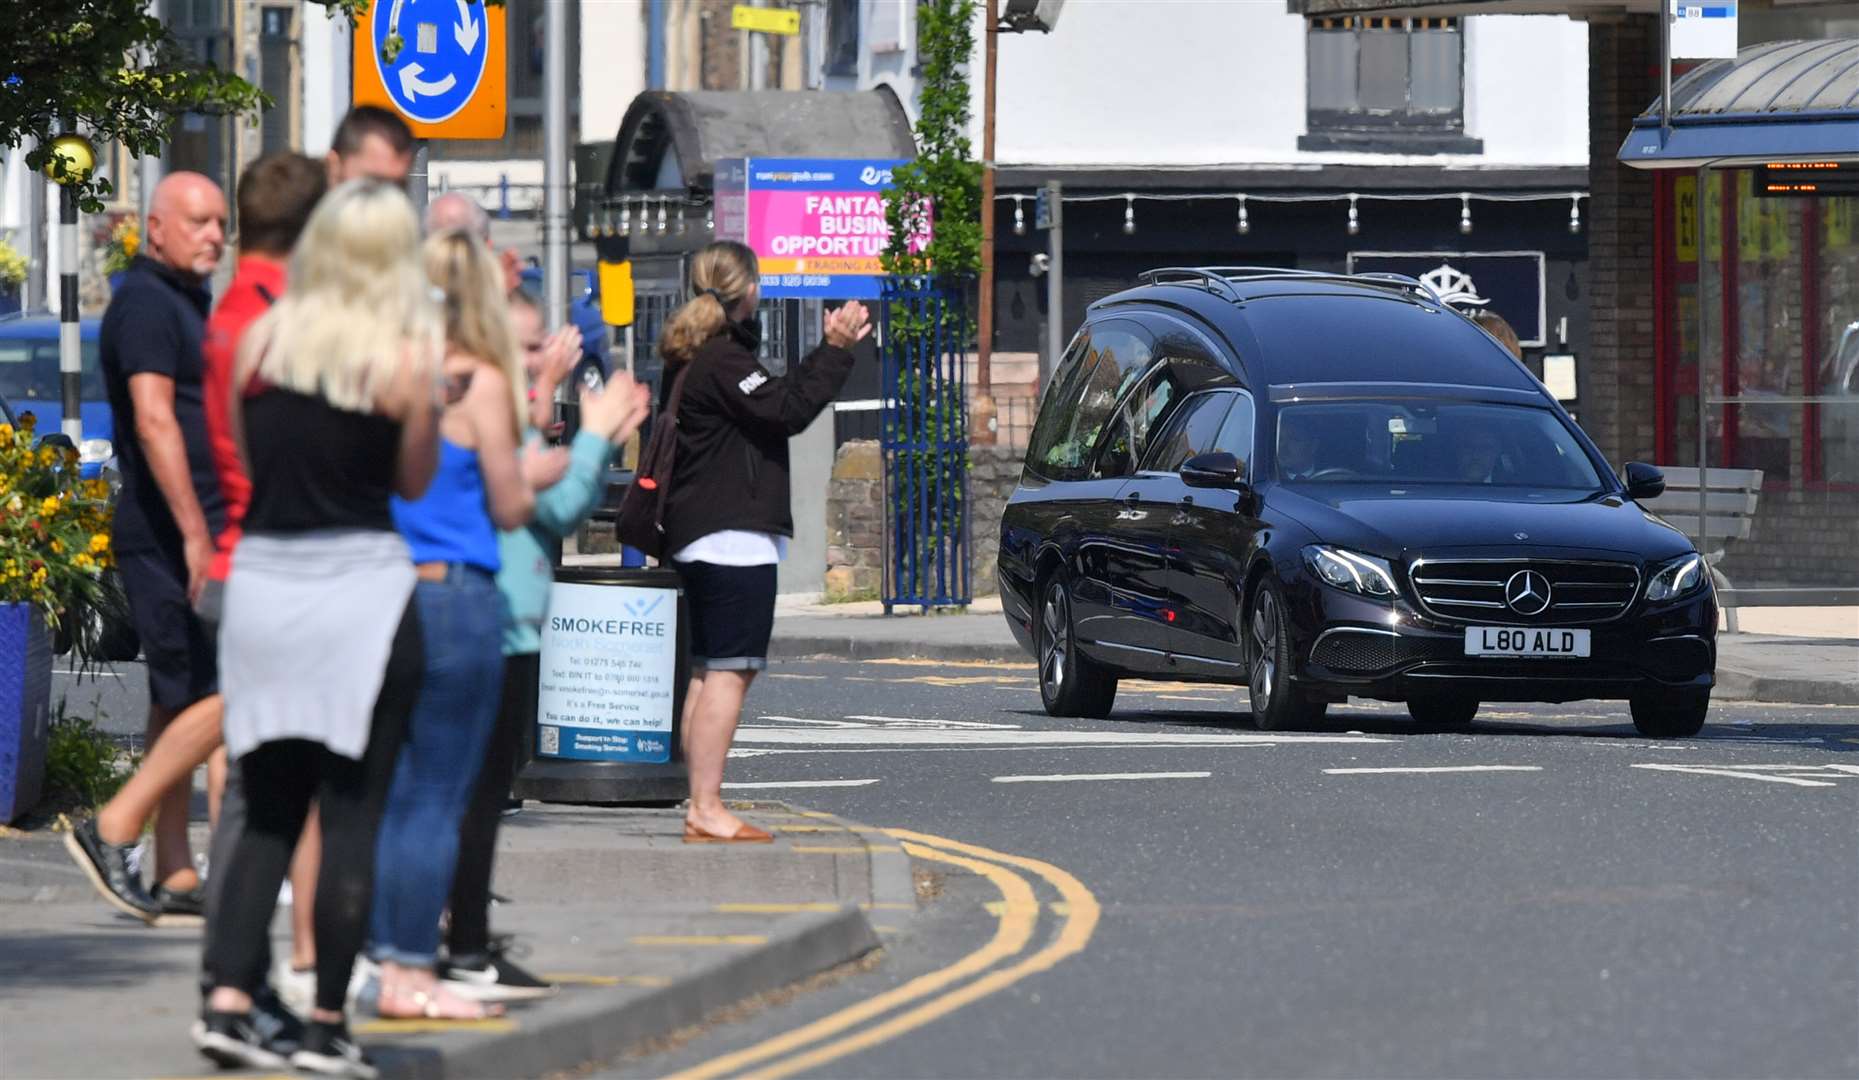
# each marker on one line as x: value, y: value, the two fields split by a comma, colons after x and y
x: 664, y: 443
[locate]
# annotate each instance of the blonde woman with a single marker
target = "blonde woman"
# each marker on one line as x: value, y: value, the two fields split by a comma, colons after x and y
x: 483, y: 484
x: 320, y: 654
x: 727, y: 519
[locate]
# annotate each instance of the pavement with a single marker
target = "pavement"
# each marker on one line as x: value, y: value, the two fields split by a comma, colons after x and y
x: 1807, y: 656
x: 646, y: 935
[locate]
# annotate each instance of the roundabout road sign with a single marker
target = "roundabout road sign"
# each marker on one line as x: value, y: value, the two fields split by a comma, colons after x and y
x: 447, y: 79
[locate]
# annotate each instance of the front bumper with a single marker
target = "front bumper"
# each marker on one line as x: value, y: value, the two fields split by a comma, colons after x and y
x: 1348, y: 645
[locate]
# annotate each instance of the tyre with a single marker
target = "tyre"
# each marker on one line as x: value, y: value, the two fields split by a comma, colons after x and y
x: 1070, y: 683
x: 1277, y: 705
x: 1443, y: 711
x: 1670, y: 714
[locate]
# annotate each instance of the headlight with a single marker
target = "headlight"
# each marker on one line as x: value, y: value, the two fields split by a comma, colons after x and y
x: 1680, y: 577
x: 1364, y: 575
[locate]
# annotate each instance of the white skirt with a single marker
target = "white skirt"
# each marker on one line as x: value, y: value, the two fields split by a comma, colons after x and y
x: 304, y: 638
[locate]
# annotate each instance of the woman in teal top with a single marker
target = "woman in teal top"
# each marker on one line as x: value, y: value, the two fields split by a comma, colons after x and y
x: 474, y: 968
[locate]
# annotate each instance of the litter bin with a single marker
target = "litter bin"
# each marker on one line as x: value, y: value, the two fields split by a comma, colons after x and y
x: 607, y: 725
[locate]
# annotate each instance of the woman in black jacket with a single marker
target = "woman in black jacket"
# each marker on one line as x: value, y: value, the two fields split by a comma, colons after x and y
x: 727, y: 519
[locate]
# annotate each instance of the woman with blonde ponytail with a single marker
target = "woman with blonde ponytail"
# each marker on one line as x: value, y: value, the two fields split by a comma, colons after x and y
x: 484, y: 483
x: 727, y: 518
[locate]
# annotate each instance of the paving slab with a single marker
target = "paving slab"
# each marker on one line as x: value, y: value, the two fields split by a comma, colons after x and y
x: 645, y: 933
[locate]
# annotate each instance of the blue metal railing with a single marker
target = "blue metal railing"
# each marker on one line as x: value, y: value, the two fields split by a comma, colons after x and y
x: 924, y: 336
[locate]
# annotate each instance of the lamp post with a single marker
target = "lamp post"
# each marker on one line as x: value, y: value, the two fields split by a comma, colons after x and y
x: 71, y: 162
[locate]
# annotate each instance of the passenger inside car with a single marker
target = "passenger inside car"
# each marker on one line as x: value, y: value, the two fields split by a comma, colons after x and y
x: 1479, y: 455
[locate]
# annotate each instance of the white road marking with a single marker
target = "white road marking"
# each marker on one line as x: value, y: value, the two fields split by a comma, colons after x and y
x: 800, y: 784
x: 903, y: 737
x: 911, y: 721
x: 1434, y: 769
x: 1060, y: 778
x: 1740, y: 774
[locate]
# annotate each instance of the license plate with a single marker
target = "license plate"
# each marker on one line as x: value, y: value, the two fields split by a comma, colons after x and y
x: 1525, y: 641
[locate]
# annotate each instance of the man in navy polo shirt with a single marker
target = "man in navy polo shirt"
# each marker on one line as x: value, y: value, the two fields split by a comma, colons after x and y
x: 170, y: 506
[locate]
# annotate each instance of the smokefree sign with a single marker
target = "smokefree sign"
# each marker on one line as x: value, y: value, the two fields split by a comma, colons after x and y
x: 608, y: 673
x: 816, y: 224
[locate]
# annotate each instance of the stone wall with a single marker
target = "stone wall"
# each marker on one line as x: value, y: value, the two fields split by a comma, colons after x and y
x: 855, y: 529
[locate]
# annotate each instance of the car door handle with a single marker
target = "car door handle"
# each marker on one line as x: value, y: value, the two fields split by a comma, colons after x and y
x: 1133, y: 498
x: 1187, y: 500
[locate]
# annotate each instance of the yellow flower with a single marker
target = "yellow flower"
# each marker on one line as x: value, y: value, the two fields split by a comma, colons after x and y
x: 83, y: 562
x: 38, y: 578
x: 48, y: 457
x: 100, y: 543
x: 58, y: 547
x: 48, y: 506
x: 6, y: 431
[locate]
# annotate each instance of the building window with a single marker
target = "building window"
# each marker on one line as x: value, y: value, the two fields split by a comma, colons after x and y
x: 842, y: 31
x: 1387, y: 84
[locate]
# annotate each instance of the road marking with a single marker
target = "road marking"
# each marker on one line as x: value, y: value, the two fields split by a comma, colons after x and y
x: 1060, y: 778
x: 844, y: 850
x: 759, y: 784
x: 917, y: 738
x: 1187, y: 697
x: 680, y: 940
x: 498, y: 1024
x: 912, y: 721
x: 1011, y: 934
x: 775, y: 909
x: 1740, y: 774
x: 1435, y: 769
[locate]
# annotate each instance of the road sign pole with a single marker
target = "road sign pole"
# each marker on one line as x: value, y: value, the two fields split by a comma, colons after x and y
x: 1055, y: 284
x: 555, y: 163
x: 416, y: 180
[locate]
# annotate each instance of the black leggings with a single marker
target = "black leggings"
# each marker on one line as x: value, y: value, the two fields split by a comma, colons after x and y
x: 281, y: 779
x: 470, y: 934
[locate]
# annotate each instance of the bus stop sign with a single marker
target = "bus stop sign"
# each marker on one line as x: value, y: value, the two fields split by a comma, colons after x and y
x: 446, y: 76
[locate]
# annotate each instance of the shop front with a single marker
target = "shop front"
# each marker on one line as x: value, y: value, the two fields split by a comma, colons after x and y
x: 1756, y: 300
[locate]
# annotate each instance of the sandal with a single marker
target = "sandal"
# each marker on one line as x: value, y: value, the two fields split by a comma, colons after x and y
x: 744, y: 834
x: 436, y: 1004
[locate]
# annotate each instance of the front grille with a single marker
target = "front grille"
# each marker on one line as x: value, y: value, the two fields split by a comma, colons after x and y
x: 1473, y: 590
x: 1360, y: 651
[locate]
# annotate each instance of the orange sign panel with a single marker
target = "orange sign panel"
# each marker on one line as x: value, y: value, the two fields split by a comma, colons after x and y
x: 441, y: 64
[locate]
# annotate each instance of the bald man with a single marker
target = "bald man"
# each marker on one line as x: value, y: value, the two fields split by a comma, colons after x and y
x: 170, y: 506
x: 455, y: 211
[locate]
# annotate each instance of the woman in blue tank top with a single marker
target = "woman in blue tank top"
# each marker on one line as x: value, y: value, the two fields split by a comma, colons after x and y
x: 484, y: 483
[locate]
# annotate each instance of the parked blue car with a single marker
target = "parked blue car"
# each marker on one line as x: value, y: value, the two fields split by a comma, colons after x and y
x: 584, y: 312
x: 29, y: 382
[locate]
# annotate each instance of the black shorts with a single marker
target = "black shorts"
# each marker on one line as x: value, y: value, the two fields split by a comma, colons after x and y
x: 732, y: 614
x: 182, y: 654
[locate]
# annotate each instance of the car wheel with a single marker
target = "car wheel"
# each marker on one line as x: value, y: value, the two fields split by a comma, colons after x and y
x: 1277, y: 705
x: 1670, y: 714
x: 1443, y: 711
x: 1070, y: 684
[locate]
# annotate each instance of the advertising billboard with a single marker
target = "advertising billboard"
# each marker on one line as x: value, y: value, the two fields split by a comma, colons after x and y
x: 816, y: 224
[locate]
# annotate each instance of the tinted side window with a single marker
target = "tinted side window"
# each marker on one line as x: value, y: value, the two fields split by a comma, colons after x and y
x: 1236, y: 433
x: 1081, y: 398
x: 1193, y: 431
x: 1142, y: 413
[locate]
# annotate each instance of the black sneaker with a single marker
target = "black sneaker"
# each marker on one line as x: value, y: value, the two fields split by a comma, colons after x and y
x: 491, y: 977
x: 329, y: 1051
x: 231, y: 1041
x: 279, y: 1027
x: 179, y: 908
x: 107, y: 867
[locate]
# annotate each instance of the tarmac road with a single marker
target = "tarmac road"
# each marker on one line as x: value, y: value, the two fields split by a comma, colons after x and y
x: 1545, y: 895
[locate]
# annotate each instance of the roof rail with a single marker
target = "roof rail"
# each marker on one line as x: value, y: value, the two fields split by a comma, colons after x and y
x: 1230, y: 276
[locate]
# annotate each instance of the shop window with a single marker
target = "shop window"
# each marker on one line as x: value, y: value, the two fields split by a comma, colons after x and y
x: 1789, y: 331
x: 1387, y: 84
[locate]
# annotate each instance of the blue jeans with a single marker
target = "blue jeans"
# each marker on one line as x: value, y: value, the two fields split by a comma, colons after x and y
x: 417, y: 850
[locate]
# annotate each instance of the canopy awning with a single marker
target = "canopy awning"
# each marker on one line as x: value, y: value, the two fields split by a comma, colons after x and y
x: 1778, y: 101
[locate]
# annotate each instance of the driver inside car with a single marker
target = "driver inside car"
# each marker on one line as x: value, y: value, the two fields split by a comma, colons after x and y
x: 1478, y: 453
x: 1297, y: 448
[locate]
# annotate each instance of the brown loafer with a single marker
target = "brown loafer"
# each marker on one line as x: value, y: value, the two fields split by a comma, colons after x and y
x: 747, y: 834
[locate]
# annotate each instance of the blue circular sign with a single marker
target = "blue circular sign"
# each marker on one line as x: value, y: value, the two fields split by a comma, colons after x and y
x: 441, y: 59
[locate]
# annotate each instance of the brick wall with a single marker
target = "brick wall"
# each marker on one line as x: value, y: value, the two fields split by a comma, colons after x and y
x: 1801, y: 538
x: 1617, y: 388
x: 855, y: 531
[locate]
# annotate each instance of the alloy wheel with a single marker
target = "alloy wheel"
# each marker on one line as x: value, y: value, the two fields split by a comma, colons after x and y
x: 1264, y: 652
x: 1056, y: 619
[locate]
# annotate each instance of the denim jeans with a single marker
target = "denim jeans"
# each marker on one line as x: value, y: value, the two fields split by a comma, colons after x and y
x: 463, y: 620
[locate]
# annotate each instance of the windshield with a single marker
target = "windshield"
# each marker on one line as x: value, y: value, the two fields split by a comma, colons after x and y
x: 29, y: 372
x: 1415, y: 443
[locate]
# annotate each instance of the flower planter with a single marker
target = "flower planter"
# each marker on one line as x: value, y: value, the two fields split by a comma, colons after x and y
x: 25, y: 707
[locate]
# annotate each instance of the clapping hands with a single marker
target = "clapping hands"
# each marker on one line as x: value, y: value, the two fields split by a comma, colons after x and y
x: 848, y: 326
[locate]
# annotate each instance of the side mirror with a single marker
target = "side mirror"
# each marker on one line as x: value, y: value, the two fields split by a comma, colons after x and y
x: 1215, y: 470
x: 1644, y: 481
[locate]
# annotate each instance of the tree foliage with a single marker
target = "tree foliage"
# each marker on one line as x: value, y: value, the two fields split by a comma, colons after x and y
x: 941, y: 187
x: 117, y: 73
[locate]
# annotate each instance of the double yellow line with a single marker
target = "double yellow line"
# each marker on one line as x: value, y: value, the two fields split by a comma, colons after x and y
x: 987, y: 970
